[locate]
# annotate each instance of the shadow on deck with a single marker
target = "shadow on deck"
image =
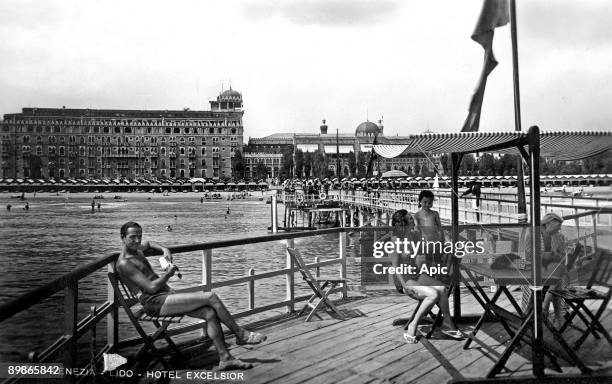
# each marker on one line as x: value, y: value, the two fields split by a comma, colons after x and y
x: 367, y: 348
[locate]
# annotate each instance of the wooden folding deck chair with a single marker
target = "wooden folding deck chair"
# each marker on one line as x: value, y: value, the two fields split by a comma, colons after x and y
x: 319, y: 298
x: 136, y: 314
x: 577, y: 299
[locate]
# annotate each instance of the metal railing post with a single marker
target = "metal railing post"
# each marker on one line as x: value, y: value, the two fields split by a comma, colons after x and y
x: 342, y: 256
x: 594, y: 233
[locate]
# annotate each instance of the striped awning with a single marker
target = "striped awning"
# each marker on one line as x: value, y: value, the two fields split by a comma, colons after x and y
x: 573, y: 145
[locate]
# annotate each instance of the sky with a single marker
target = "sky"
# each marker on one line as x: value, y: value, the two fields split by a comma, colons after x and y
x: 410, y: 63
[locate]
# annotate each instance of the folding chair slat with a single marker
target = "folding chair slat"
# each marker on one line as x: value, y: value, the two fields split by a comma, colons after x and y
x: 576, y: 298
x: 319, y: 299
x: 136, y: 314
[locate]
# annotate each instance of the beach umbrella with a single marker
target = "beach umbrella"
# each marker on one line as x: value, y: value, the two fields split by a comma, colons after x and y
x: 394, y: 173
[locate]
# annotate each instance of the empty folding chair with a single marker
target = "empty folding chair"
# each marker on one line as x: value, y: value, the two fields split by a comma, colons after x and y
x: 321, y: 287
x: 598, y: 290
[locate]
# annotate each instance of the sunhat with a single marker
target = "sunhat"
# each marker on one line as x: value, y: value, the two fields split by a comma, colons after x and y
x: 550, y: 216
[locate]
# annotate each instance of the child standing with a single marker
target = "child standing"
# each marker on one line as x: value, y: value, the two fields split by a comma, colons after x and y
x: 429, y: 224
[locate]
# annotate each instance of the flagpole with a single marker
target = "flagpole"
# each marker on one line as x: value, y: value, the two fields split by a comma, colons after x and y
x: 337, y: 154
x: 522, y: 206
x: 537, y: 348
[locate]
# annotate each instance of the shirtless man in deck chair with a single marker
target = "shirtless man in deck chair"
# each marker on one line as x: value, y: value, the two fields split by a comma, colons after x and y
x: 157, y: 298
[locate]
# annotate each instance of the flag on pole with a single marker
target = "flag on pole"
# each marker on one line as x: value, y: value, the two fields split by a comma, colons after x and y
x: 495, y: 13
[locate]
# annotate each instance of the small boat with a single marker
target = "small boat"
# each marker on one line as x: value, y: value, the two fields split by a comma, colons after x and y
x: 98, y: 197
x: 117, y: 197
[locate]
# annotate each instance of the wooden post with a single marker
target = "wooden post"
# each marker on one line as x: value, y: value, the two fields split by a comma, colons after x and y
x: 92, y: 343
x: 273, y: 207
x: 342, y: 256
x: 317, y: 268
x: 207, y: 269
x: 71, y: 306
x: 289, y: 278
x: 251, y: 289
x: 112, y: 319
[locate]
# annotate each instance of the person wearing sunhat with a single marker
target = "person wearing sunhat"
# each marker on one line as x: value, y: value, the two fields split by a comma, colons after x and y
x: 553, y: 262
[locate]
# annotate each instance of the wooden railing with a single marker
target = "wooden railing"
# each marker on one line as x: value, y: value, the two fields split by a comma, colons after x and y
x: 491, y: 210
x: 65, y: 348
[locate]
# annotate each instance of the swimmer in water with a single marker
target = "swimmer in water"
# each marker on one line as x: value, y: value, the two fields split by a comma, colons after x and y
x: 169, y: 228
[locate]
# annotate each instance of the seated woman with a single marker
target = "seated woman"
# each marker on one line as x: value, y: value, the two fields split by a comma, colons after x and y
x: 157, y: 298
x: 554, y: 263
x: 419, y: 287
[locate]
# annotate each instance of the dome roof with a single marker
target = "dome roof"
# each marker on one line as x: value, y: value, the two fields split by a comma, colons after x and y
x: 230, y: 94
x: 367, y: 128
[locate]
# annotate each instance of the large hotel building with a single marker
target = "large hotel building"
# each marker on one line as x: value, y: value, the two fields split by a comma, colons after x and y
x: 51, y: 143
x: 99, y: 143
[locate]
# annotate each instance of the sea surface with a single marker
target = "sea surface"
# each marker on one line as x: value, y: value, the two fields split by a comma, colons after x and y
x: 60, y: 232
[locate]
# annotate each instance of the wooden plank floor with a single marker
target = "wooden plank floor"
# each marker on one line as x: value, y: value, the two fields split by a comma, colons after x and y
x: 366, y: 348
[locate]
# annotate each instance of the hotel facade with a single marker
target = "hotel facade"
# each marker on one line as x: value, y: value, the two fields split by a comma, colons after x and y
x: 131, y: 144
x: 341, y: 150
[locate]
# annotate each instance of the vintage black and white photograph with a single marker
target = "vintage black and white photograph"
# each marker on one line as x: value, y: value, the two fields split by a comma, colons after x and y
x: 305, y: 191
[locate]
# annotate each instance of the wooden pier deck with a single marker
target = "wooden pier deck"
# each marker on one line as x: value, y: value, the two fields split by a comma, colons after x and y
x: 367, y: 348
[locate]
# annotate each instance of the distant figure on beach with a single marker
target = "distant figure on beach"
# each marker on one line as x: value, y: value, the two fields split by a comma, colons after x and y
x: 99, y: 206
x: 157, y: 298
x: 201, y: 200
x: 228, y: 210
x: 8, y: 207
x: 175, y: 217
x: 169, y: 228
x: 27, y: 206
x: 93, y: 206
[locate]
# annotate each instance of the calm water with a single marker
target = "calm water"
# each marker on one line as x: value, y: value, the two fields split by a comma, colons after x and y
x: 59, y: 233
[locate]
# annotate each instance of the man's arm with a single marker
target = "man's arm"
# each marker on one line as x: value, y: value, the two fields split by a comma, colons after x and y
x: 135, y: 276
x: 158, y: 247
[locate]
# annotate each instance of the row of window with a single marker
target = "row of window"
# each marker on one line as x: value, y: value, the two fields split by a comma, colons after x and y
x: 128, y: 139
x: 121, y: 130
x: 62, y: 173
x: 127, y: 123
x: 51, y: 150
x: 262, y: 160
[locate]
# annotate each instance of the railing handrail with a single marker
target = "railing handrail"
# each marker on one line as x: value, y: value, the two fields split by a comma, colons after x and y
x: 45, y: 291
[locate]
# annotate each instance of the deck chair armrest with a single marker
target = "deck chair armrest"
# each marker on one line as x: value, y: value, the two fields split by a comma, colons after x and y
x: 330, y: 279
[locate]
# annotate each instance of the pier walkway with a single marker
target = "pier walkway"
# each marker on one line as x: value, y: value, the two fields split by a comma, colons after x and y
x: 367, y: 348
